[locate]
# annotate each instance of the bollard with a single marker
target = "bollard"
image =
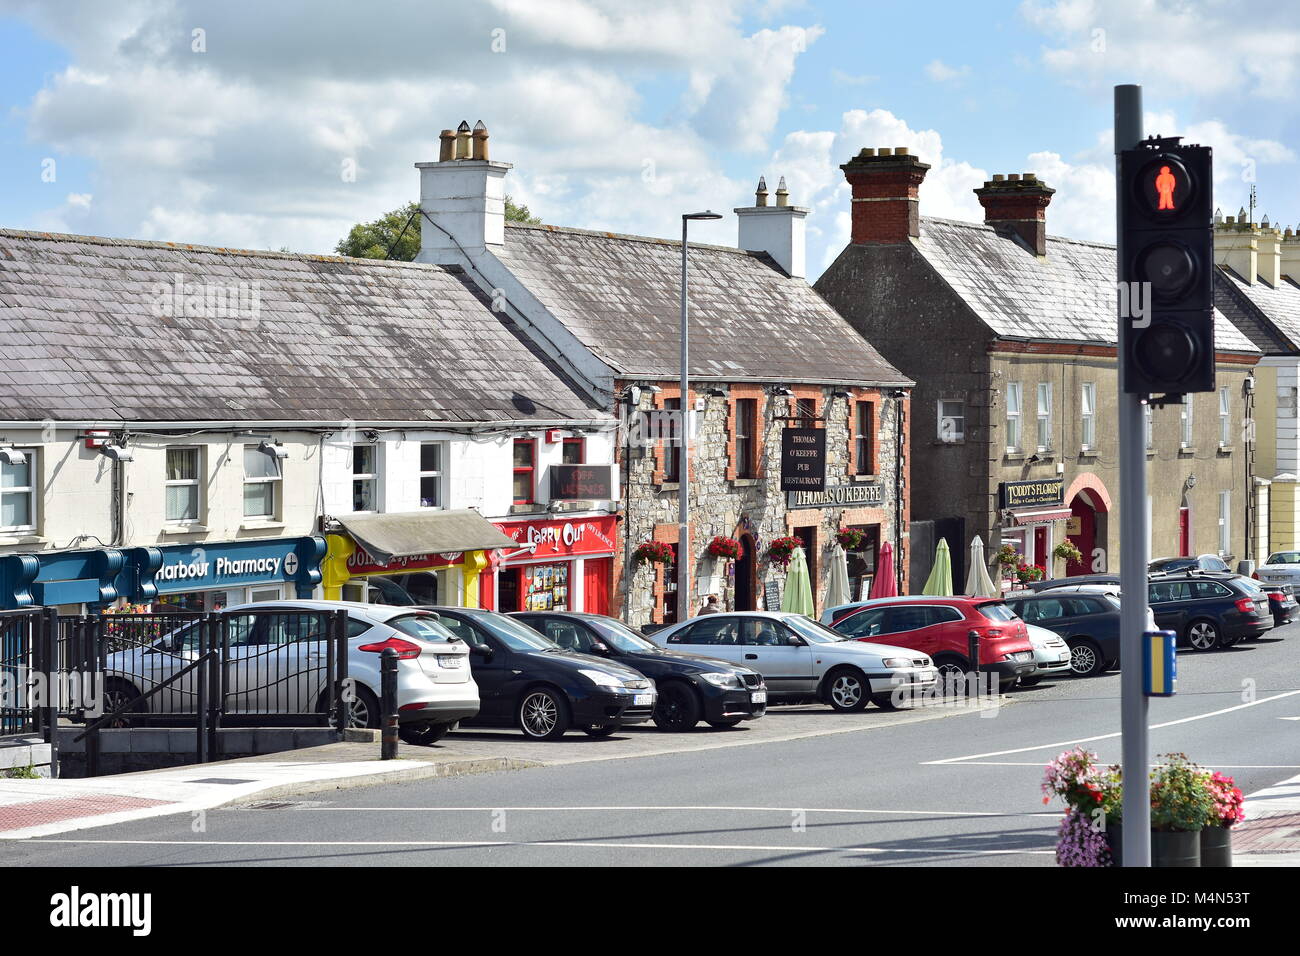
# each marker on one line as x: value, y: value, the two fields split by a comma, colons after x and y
x: 388, y: 704
x: 973, y: 652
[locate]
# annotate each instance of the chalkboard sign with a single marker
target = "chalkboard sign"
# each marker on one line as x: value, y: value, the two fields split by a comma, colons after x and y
x: 772, y: 596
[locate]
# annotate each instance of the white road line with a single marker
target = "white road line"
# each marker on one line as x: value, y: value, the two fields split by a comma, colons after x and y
x: 588, y: 844
x: 1084, y: 740
x: 490, y: 809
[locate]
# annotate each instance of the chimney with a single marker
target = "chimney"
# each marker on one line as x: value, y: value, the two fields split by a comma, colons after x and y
x: 1236, y: 245
x: 1290, y: 256
x: 1270, y: 253
x: 464, y: 194
x: 1017, y: 205
x: 886, y: 184
x: 777, y: 230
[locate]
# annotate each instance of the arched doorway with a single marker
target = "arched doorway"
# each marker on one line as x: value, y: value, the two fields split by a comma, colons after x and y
x: 1089, y: 504
x: 744, y: 571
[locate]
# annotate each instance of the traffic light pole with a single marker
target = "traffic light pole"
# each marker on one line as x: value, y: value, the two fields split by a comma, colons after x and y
x: 1133, y: 544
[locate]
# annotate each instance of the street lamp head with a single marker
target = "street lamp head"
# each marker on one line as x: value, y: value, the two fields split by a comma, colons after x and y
x: 707, y: 214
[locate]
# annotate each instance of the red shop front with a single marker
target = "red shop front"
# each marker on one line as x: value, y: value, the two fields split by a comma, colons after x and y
x: 570, y: 566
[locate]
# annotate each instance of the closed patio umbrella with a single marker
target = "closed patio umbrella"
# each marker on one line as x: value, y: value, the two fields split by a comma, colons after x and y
x: 798, y: 598
x: 939, y: 583
x: 978, y: 582
x: 884, y: 584
x: 837, y: 590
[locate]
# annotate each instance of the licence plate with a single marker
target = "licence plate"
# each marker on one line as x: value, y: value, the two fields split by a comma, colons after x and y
x: 758, y: 697
x: 643, y: 700
x: 449, y: 660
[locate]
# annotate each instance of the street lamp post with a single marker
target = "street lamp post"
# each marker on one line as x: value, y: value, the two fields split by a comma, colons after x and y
x: 683, y: 433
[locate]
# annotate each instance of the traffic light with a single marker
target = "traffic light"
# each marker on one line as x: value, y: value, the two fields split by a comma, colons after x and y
x: 1166, y: 268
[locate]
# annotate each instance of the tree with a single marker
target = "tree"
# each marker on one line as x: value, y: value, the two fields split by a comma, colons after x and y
x: 372, y: 240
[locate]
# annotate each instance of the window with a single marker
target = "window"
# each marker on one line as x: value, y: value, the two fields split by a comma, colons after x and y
x: 1225, y: 414
x: 1044, y: 416
x: 746, y: 434
x: 952, y: 421
x: 1185, y: 417
x: 365, y: 477
x: 864, y: 438
x: 574, y: 451
x: 18, y: 493
x: 868, y: 623
x: 721, y: 630
x: 261, y: 474
x: 1225, y: 511
x: 182, y: 484
x: 1088, y: 416
x: 1013, y: 416
x: 671, y: 451
x: 805, y: 410
x: 525, y: 465
x: 431, y: 467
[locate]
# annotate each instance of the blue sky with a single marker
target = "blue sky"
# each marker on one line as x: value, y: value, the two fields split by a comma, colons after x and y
x: 617, y: 115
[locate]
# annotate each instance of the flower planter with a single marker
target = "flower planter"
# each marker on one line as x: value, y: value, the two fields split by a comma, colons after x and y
x: 1115, y: 838
x: 1216, y: 846
x: 1175, y: 848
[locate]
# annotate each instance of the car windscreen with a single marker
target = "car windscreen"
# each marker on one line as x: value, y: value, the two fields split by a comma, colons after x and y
x: 423, y: 626
x: 996, y: 611
x: 1284, y: 557
x: 621, y: 637
x: 813, y: 632
x: 514, y: 634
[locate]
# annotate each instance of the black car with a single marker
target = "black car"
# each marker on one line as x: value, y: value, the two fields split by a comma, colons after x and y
x: 690, y: 687
x: 1208, y: 610
x: 1049, y: 584
x: 1281, y: 600
x: 1187, y: 562
x: 1088, y: 623
x: 529, y: 682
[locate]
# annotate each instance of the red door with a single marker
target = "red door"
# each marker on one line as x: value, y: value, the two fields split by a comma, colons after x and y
x: 595, y: 585
x: 1040, y: 548
x: 1184, y: 532
x: 1085, y: 539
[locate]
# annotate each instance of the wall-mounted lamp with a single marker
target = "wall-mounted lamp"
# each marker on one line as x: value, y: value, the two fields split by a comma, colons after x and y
x: 783, y: 391
x: 371, y: 435
x: 1191, y: 481
x: 116, y: 452
x: 840, y: 395
x: 273, y: 448
x: 12, y: 456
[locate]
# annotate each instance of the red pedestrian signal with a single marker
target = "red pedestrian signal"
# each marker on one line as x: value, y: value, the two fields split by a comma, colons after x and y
x: 1165, y: 183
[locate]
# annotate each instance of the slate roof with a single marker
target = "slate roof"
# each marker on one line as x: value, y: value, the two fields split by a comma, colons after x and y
x: 1069, y: 296
x: 1269, y: 315
x: 333, y: 339
x: 621, y: 296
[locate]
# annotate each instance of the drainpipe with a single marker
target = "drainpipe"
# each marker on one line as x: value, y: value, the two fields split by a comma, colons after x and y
x: 899, y: 425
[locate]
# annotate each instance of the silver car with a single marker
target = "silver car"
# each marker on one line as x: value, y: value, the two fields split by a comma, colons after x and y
x: 1282, y: 567
x: 1051, y: 655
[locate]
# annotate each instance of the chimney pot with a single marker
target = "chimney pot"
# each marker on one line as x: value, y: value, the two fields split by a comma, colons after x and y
x: 782, y: 194
x: 760, y: 196
x: 777, y: 230
x: 480, y: 141
x: 998, y: 177
x: 1029, y: 177
x: 446, y: 146
x: 1013, y: 177
x: 900, y: 150
x: 866, y: 153
x: 463, y: 149
x: 884, y: 151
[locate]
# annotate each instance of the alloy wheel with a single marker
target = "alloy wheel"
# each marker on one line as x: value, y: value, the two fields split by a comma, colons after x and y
x: 1083, y: 659
x: 358, y: 712
x: 539, y: 714
x: 1202, y: 636
x: 846, y: 691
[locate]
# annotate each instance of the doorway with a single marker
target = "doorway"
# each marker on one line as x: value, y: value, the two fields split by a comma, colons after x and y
x: 1083, y: 532
x: 1184, y: 531
x: 744, y: 571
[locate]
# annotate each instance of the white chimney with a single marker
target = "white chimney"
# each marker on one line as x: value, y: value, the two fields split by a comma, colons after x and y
x: 1290, y: 256
x: 777, y: 230
x: 464, y: 194
x: 1236, y: 245
x: 1270, y: 254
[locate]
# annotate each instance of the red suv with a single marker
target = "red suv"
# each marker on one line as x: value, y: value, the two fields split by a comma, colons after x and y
x: 940, y: 627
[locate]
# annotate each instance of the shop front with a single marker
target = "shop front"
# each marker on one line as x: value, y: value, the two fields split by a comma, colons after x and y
x: 1033, y: 519
x: 564, y: 564
x: 433, y: 557
x: 209, y: 577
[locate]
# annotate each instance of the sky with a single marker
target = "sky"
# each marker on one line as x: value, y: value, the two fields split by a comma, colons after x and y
x: 279, y: 125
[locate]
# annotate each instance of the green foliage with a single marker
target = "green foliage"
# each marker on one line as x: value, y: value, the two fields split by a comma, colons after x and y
x: 1180, y: 797
x: 372, y: 240
x: 22, y: 773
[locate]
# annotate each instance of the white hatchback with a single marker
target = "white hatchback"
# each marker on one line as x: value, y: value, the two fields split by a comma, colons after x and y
x: 276, y: 664
x: 800, y: 658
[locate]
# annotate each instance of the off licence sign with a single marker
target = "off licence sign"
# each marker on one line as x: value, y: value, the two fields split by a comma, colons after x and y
x: 803, y: 459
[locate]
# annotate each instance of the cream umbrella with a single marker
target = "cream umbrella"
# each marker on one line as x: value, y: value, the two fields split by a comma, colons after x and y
x: 978, y: 582
x: 837, y: 589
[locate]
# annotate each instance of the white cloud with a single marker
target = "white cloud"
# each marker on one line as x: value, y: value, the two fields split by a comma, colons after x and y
x: 941, y: 72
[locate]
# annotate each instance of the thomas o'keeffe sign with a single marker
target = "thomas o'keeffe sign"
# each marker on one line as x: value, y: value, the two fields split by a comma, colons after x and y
x: 1033, y: 494
x: 837, y: 496
x: 803, y: 459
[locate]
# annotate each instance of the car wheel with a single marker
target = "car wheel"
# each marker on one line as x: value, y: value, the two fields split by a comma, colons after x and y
x: 887, y: 702
x: 847, y: 690
x: 1029, y: 681
x: 1086, y: 659
x: 678, y: 707
x: 952, y: 675
x: 117, y: 693
x: 1203, y: 635
x: 543, y: 714
x: 363, y: 709
x: 423, y: 734
x: 602, y: 731
x: 726, y: 724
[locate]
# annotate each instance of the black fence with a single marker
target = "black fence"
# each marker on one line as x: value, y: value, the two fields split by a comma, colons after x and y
x: 28, y: 654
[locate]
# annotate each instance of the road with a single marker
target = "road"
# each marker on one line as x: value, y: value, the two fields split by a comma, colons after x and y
x: 958, y: 790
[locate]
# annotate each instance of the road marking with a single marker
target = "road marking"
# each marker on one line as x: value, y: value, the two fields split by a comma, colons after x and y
x: 1084, y: 740
x: 587, y: 844
x: 1289, y: 718
x: 491, y: 809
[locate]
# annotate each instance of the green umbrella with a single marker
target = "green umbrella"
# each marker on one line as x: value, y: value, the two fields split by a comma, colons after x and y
x: 939, y: 583
x: 798, y: 587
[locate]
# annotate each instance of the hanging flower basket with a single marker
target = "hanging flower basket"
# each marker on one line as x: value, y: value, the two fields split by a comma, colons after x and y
x: 781, y: 549
x: 1068, y: 551
x: 723, y: 547
x: 1009, y: 558
x: 656, y: 552
x: 850, y: 539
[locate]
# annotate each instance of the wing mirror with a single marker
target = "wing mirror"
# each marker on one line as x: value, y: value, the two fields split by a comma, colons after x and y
x: 482, y: 650
x: 599, y: 648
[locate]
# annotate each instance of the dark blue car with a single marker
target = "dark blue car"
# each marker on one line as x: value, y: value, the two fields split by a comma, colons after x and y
x: 1088, y: 623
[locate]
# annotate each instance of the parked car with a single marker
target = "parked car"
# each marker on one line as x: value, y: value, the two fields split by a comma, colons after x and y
x: 801, y: 659
x: 1051, y: 655
x: 1210, y: 610
x: 1282, y: 567
x: 1073, y: 580
x: 277, y: 660
x: 1281, y: 600
x: 1203, y: 562
x: 530, y: 682
x: 691, y: 688
x: 940, y: 627
x: 1088, y: 623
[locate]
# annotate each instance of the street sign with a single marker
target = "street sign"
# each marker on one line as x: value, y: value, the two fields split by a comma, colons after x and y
x: 803, y: 459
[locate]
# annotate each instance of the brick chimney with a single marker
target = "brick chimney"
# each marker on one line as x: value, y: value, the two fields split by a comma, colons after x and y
x: 777, y: 230
x: 1017, y: 205
x: 886, y: 205
x: 464, y: 194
